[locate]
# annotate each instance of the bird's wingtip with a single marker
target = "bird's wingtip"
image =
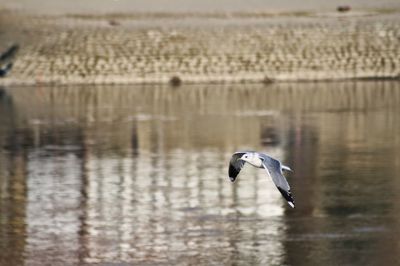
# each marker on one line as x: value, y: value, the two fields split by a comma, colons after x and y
x: 291, y: 204
x: 287, y: 168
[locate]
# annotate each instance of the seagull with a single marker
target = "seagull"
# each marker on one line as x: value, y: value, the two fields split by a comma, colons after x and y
x: 273, y: 167
x: 5, y: 60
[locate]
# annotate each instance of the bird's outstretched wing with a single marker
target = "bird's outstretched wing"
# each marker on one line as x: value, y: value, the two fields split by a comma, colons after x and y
x: 9, y: 54
x: 5, y: 60
x: 274, y: 170
x: 235, y: 165
x: 5, y: 70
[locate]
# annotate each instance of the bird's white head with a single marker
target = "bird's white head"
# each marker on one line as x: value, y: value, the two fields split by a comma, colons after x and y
x: 252, y: 159
x: 245, y: 157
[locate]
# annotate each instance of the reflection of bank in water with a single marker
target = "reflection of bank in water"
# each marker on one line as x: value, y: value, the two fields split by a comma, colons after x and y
x: 155, y: 114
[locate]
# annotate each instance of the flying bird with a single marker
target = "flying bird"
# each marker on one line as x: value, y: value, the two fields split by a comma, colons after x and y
x: 273, y: 167
x: 4, y: 70
x: 6, y: 58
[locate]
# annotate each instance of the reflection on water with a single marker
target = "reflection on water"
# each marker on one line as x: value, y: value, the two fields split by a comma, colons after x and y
x: 139, y: 175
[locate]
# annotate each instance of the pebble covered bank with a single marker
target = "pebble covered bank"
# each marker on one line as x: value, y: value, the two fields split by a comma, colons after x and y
x: 201, y: 47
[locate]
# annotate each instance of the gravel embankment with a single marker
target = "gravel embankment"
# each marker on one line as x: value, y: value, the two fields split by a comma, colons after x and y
x: 154, y: 48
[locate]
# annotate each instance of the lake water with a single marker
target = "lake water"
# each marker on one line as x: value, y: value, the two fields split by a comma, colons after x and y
x: 138, y: 175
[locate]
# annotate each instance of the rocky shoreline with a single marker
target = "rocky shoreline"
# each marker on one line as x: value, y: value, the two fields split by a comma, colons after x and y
x: 201, y: 48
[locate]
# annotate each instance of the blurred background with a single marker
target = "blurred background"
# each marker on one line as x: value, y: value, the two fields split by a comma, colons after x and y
x: 108, y: 6
x: 118, y: 120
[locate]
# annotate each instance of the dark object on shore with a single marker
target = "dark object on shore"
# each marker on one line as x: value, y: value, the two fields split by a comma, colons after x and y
x: 175, y: 81
x: 5, y: 70
x: 343, y: 8
x: 113, y: 22
x: 266, y: 80
x: 10, y: 53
